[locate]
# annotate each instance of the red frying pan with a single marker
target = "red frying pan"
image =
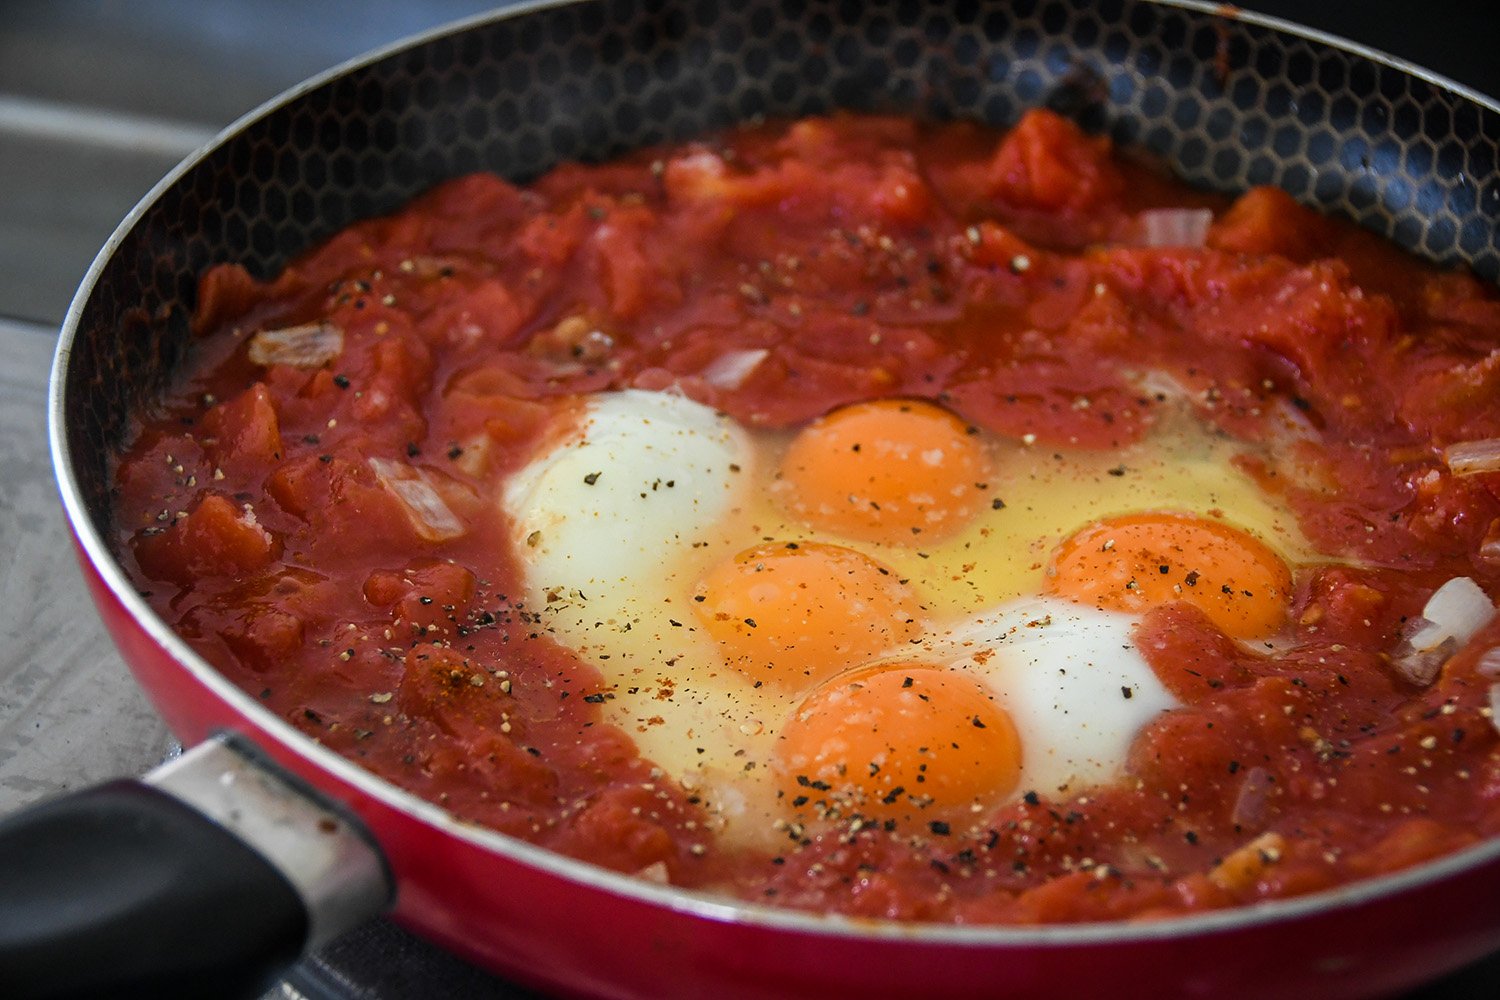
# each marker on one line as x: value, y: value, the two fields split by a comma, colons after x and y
x: 214, y: 872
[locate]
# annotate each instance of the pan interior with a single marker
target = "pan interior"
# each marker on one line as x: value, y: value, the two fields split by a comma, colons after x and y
x: 1226, y: 102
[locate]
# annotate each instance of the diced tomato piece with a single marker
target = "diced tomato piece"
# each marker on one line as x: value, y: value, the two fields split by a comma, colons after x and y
x: 225, y: 291
x: 217, y: 538
x: 487, y: 312
x: 265, y: 637
x: 1047, y: 162
x: 1190, y: 655
x: 439, y: 683
x: 431, y: 599
x: 245, y: 429
x: 1266, y: 220
x: 613, y: 818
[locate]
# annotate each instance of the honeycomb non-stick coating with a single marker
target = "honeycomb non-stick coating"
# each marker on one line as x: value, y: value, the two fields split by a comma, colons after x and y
x: 1225, y: 103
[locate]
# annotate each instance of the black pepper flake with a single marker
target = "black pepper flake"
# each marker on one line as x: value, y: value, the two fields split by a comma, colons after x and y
x: 325, y: 459
x: 907, y: 683
x: 980, y: 725
x: 1191, y: 837
x: 939, y: 828
x: 455, y: 451
x: 1164, y: 569
x: 1191, y: 579
x: 1118, y: 470
x: 412, y: 451
x: 750, y: 622
x: 1127, y: 691
x: 592, y: 478
x: 1234, y: 766
x: 594, y: 699
x: 342, y: 381
x: 1032, y: 799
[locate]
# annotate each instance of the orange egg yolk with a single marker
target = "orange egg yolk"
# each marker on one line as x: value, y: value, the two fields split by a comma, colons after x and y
x: 893, y: 470
x: 908, y: 742
x: 795, y: 612
x: 1139, y: 561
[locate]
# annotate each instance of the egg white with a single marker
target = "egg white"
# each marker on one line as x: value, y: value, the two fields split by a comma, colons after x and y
x: 1070, y: 678
x: 614, y: 520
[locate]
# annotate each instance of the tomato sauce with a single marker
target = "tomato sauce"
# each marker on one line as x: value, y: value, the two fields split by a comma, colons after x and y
x: 1007, y: 277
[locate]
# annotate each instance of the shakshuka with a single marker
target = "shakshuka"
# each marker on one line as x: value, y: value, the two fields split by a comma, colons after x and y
x: 903, y: 520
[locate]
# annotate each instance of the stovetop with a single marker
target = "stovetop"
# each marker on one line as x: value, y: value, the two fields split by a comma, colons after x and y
x: 99, y: 99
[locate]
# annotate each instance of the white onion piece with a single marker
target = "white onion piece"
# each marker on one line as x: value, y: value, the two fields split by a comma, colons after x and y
x: 1468, y: 458
x: 1489, y: 664
x: 729, y: 371
x: 309, y: 346
x: 1174, y: 227
x: 1453, y: 614
x: 1250, y: 803
x: 430, y: 515
x: 1495, y: 706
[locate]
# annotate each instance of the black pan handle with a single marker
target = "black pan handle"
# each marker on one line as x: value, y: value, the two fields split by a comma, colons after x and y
x: 207, y: 879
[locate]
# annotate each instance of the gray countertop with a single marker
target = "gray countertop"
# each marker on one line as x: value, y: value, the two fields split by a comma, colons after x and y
x: 99, y: 98
x: 70, y: 715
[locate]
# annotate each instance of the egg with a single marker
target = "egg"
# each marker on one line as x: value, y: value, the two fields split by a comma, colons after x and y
x: 1068, y: 677
x: 887, y: 614
x: 891, y: 471
x: 614, y: 518
x: 634, y: 477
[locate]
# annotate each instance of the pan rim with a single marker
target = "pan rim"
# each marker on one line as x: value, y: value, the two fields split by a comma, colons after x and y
x: 682, y: 901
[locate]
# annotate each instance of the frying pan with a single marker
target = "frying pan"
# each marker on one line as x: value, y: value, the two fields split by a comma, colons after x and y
x: 1227, y: 99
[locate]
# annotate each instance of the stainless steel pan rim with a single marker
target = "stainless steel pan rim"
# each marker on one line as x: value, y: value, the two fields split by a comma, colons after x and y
x: 695, y: 903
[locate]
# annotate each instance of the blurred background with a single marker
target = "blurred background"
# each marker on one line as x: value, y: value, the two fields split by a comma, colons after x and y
x: 98, y: 100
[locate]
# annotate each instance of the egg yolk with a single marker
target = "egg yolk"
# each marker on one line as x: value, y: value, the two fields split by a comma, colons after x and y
x: 893, y: 470
x: 795, y: 612
x: 1139, y: 561
x: 908, y: 742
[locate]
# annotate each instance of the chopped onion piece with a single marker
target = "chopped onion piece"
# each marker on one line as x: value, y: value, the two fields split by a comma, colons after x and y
x: 729, y: 371
x: 430, y: 515
x: 309, y: 346
x: 1453, y: 614
x: 1250, y: 803
x: 1489, y: 664
x: 1468, y: 458
x: 1495, y: 706
x: 1174, y: 227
